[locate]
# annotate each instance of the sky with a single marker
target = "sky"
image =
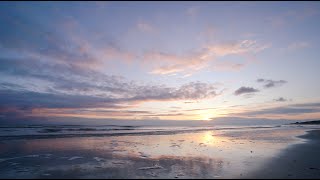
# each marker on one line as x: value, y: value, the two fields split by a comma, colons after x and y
x: 159, y: 60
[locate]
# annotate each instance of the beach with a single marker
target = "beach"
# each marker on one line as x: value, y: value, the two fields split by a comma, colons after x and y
x: 297, y: 162
x: 243, y: 152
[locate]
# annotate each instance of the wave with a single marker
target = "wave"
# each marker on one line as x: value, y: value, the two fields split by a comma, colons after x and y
x: 63, y: 131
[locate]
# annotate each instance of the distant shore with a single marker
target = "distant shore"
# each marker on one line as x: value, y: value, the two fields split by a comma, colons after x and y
x: 308, y: 123
x: 298, y: 161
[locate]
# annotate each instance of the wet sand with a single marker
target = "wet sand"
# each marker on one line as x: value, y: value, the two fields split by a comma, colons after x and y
x: 233, y: 153
x: 296, y: 162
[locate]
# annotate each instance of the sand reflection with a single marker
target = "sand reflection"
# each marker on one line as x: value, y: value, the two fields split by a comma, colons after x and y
x: 205, y: 154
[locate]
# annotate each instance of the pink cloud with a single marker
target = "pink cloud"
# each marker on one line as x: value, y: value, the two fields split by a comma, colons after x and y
x: 241, y: 47
x: 196, y: 61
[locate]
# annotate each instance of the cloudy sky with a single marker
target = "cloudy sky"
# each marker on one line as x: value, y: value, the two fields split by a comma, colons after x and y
x: 160, y: 60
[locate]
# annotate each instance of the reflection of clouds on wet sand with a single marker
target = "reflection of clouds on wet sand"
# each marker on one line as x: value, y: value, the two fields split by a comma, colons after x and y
x: 166, y: 167
x: 207, y: 154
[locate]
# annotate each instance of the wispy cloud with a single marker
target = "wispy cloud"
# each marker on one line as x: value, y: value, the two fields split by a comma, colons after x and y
x: 145, y: 27
x: 291, y: 16
x: 298, y: 45
x: 111, y: 53
x: 193, y: 62
x: 193, y: 66
x: 240, y: 47
x: 268, y: 83
x: 77, y: 52
x: 285, y: 110
x: 168, y: 69
x: 189, y: 102
x: 227, y: 66
x: 199, y: 109
x: 193, y: 11
x: 173, y: 63
x: 89, y: 112
x: 209, y: 33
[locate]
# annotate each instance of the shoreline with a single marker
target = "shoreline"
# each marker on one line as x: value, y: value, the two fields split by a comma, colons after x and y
x: 137, y: 133
x: 297, y: 161
x: 261, y: 153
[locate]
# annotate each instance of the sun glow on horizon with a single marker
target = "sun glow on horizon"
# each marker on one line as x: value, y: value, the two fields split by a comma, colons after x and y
x: 206, y: 116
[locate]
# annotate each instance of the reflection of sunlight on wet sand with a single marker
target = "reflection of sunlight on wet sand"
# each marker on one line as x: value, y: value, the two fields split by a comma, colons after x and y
x: 209, y: 138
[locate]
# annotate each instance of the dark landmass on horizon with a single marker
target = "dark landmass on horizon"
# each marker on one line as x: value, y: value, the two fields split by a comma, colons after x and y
x: 308, y: 122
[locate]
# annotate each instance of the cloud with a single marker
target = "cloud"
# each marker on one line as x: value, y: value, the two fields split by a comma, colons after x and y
x: 168, y: 69
x: 155, y: 56
x: 280, y: 99
x: 199, y: 109
x: 189, y: 102
x: 292, y: 16
x: 313, y: 105
x: 181, y: 67
x: 116, y: 95
x: 56, y: 74
x: 63, y: 45
x: 113, y: 52
x: 248, y: 121
x: 208, y: 34
x: 59, y: 48
x: 89, y: 112
x: 239, y: 47
x: 227, y: 66
x: 66, y: 49
x: 277, y: 22
x: 64, y: 71
x: 165, y: 114
x: 195, y: 61
x: 145, y: 27
x: 291, y: 111
x: 187, y: 75
x: 189, y: 91
x: 193, y: 11
x: 61, y: 68
x: 171, y: 63
x: 285, y: 110
x: 30, y: 99
x: 298, y: 45
x: 268, y: 83
x: 245, y: 90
